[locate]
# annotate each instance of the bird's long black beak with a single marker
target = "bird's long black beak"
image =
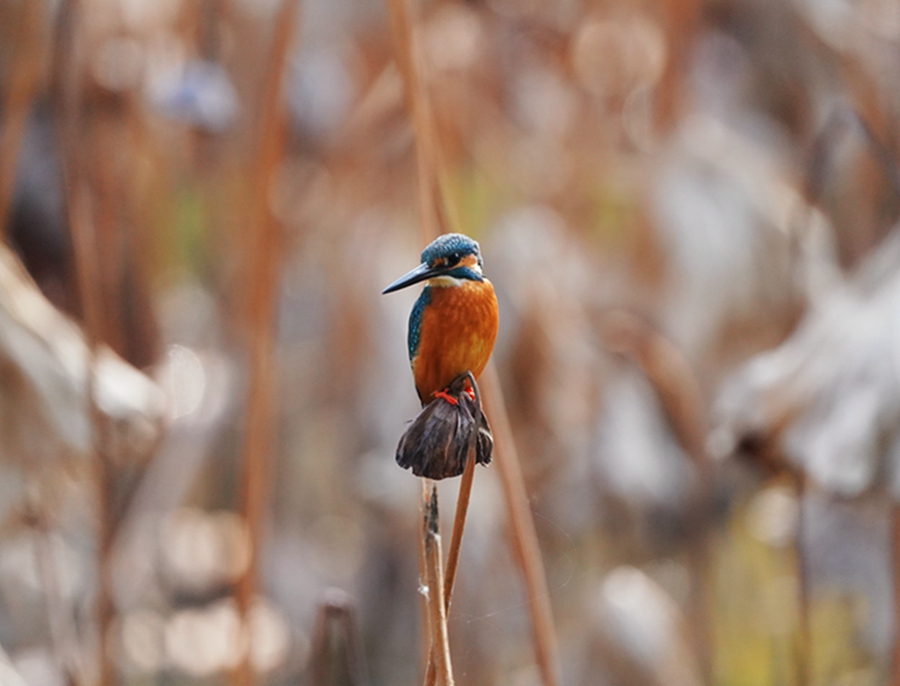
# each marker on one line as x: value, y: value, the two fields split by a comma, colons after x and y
x: 421, y: 273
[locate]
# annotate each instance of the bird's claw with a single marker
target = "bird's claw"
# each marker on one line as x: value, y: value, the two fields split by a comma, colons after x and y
x: 446, y: 396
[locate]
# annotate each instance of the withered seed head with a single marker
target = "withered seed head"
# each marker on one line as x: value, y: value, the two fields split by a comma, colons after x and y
x: 437, y: 443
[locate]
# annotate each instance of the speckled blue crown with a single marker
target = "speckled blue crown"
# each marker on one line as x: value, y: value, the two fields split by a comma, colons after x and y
x: 444, y: 246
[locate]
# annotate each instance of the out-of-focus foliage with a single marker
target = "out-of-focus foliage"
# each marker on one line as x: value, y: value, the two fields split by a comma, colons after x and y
x: 726, y: 169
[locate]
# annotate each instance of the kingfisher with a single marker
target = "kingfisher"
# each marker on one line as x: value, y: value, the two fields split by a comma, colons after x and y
x: 453, y: 325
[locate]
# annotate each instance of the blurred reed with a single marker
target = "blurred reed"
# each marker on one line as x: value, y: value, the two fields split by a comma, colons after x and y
x: 433, y: 219
x: 544, y: 107
x: 459, y: 525
x: 522, y: 534
x: 433, y: 208
x: 83, y: 210
x: 434, y: 582
x: 337, y: 645
x: 28, y: 72
x: 263, y: 250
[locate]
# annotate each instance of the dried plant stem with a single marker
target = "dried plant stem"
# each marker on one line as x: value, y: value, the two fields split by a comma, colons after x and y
x: 427, y: 638
x: 432, y: 206
x: 680, y: 20
x: 434, y: 579
x: 434, y: 220
x: 84, y: 242
x: 459, y: 525
x: 84, y: 245
x: 19, y: 97
x: 262, y: 279
x: 522, y: 531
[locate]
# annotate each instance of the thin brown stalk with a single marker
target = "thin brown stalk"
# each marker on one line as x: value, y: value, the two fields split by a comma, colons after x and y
x: 81, y: 226
x: 681, y: 19
x: 432, y: 206
x: 434, y: 220
x: 84, y: 242
x: 434, y: 578
x: 262, y: 278
x: 522, y: 532
x: 459, y: 525
x: 19, y: 97
x: 427, y: 637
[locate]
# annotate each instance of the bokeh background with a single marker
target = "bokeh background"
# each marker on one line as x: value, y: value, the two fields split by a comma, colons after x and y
x: 688, y: 209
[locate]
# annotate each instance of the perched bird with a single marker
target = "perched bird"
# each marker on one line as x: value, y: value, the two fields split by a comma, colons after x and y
x: 452, y: 330
x: 453, y: 325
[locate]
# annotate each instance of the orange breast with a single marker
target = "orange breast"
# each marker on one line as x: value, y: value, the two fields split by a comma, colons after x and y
x: 459, y: 327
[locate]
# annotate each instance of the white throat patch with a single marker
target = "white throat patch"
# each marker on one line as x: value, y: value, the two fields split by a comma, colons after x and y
x: 445, y: 282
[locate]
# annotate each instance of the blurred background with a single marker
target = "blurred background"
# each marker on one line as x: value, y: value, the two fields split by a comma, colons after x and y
x: 689, y: 211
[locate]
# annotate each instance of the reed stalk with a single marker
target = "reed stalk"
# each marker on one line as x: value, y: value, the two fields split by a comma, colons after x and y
x: 262, y: 279
x: 20, y: 94
x: 84, y: 242
x: 434, y: 579
x: 434, y: 219
x: 521, y: 530
x: 433, y: 208
x: 459, y: 525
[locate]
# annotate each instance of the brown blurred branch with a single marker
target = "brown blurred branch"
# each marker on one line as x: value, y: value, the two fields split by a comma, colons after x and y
x: 681, y: 19
x: 522, y: 532
x: 670, y: 374
x: 434, y: 580
x: 84, y: 240
x: 459, y: 525
x: 433, y: 216
x: 433, y: 210
x: 20, y: 94
x: 262, y: 278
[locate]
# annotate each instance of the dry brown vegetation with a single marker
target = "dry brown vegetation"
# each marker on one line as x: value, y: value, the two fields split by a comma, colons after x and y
x: 689, y: 211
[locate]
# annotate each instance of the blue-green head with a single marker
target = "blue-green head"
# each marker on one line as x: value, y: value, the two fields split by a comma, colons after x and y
x: 452, y: 256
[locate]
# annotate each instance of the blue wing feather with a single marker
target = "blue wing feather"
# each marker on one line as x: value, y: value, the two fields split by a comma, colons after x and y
x: 415, y: 322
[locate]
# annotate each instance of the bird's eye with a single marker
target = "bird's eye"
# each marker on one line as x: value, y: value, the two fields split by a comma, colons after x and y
x: 454, y: 258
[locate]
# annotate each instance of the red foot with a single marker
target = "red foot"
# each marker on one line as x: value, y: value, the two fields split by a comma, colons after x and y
x: 446, y: 396
x: 450, y: 399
